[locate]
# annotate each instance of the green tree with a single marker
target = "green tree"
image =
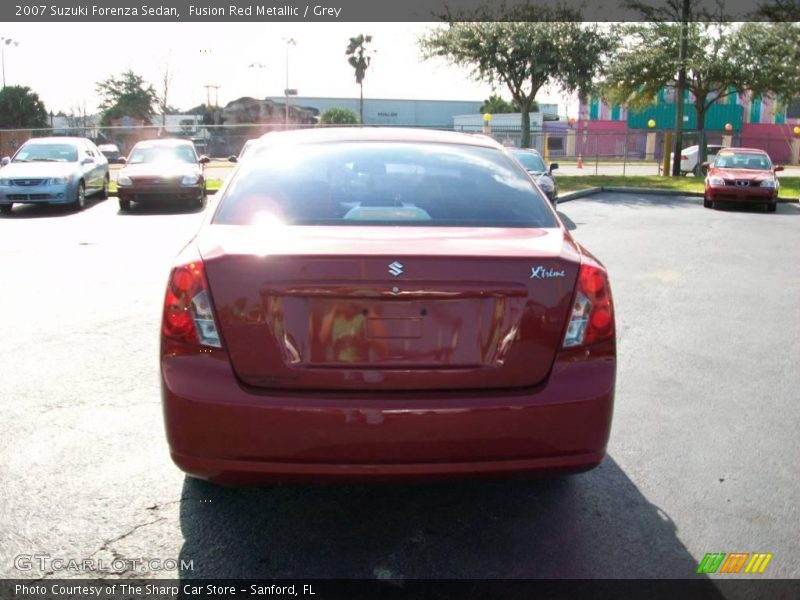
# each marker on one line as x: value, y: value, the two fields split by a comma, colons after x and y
x: 358, y: 56
x: 495, y: 105
x: 338, y: 116
x: 127, y: 95
x: 529, y: 49
x: 722, y: 59
x: 21, y: 108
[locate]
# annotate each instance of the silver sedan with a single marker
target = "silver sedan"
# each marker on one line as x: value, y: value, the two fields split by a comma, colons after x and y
x: 55, y: 170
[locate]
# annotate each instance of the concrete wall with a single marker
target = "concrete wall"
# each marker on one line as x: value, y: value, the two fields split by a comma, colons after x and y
x: 378, y: 111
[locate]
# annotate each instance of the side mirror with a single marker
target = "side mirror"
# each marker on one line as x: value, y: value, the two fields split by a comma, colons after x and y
x: 87, y: 161
x: 777, y: 168
x: 122, y: 160
x: 5, y: 161
x: 553, y: 167
x: 204, y: 160
x: 233, y: 158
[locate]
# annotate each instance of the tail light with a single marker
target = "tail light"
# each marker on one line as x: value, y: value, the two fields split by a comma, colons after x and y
x: 684, y: 157
x: 188, y: 316
x: 592, y: 318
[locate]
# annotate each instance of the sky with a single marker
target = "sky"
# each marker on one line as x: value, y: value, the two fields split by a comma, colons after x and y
x: 62, y: 62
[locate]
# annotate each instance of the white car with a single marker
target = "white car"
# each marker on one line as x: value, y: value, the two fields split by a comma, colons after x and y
x: 247, y: 146
x: 689, y: 162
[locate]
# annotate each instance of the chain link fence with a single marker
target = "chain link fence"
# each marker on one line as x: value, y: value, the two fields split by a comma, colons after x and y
x: 579, y: 150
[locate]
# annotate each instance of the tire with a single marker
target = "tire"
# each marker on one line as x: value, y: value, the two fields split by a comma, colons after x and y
x: 80, y: 197
x: 772, y: 207
x: 707, y: 203
x: 199, y: 203
x: 104, y: 192
x: 6, y: 208
x: 124, y: 205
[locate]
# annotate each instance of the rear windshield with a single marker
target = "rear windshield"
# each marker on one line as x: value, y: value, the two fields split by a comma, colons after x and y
x: 383, y: 183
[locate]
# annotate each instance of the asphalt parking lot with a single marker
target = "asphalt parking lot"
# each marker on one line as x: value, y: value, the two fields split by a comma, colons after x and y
x: 702, y: 458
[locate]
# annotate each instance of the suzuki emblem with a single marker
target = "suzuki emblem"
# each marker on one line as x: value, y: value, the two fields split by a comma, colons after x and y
x: 396, y: 268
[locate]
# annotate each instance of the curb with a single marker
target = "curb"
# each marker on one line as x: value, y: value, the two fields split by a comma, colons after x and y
x: 634, y: 190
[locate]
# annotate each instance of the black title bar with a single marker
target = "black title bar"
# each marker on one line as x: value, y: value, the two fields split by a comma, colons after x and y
x: 383, y: 10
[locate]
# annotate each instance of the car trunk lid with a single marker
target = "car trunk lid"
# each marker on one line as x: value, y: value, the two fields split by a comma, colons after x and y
x: 394, y: 308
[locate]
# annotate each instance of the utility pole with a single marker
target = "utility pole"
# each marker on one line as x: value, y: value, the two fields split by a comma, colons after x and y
x: 214, y: 111
x: 680, y: 91
x: 288, y: 92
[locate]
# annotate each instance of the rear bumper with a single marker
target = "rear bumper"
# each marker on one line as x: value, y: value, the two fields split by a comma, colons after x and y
x: 220, y: 431
x: 731, y: 193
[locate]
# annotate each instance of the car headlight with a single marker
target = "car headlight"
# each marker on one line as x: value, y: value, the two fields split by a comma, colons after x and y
x: 60, y: 180
x: 5, y: 182
x: 716, y: 181
x: 190, y: 179
x: 124, y: 180
x: 768, y: 183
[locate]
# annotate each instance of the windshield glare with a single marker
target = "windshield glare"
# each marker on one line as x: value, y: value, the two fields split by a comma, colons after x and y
x: 531, y: 161
x: 47, y: 153
x: 743, y: 160
x: 383, y: 183
x: 153, y: 154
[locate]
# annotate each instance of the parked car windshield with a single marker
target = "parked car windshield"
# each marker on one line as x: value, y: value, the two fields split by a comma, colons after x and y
x: 46, y: 153
x: 529, y: 160
x: 743, y: 160
x: 151, y: 154
x: 247, y: 146
x: 383, y: 183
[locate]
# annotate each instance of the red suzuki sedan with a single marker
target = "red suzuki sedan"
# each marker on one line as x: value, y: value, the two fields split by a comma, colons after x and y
x: 380, y: 304
x: 742, y: 175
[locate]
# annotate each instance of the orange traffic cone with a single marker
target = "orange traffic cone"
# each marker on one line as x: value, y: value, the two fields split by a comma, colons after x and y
x: 580, y: 161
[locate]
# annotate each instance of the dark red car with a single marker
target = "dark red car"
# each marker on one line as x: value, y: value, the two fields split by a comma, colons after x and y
x: 163, y: 171
x: 385, y: 303
x: 742, y: 175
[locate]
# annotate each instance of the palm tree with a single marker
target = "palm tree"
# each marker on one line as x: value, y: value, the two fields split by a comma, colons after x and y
x: 359, y: 58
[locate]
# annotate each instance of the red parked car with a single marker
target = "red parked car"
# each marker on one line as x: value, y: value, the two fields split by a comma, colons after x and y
x: 385, y: 303
x: 742, y: 175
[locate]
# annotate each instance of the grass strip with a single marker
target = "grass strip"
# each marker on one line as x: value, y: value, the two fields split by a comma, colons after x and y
x: 790, y: 186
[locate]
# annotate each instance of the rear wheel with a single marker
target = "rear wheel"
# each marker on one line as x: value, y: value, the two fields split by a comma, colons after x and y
x: 6, y: 208
x: 80, y: 197
x: 124, y: 205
